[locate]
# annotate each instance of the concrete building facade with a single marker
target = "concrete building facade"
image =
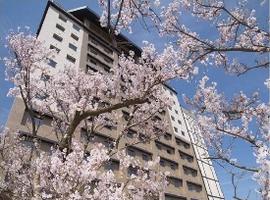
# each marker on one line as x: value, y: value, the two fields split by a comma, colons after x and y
x: 84, y: 45
x: 206, y: 167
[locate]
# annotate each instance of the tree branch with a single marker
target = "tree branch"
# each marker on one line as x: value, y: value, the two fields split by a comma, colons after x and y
x: 232, y: 163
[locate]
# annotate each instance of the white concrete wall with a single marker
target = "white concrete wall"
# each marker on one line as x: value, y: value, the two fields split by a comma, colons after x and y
x: 175, y: 112
x: 46, y: 35
x: 206, y: 166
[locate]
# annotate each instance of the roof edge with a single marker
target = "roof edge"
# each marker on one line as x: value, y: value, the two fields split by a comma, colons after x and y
x: 69, y: 14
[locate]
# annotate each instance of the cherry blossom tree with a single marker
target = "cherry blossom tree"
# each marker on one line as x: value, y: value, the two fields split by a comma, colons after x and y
x: 236, y: 33
x: 71, y: 176
x: 76, y: 100
x: 91, y: 101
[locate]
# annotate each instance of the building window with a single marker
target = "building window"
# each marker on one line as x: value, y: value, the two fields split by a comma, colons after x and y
x: 173, y: 166
x: 108, y: 50
x: 182, y: 143
x: 57, y: 37
x: 145, y: 157
x: 168, y: 136
x: 190, y: 171
x: 61, y: 28
x: 194, y: 187
x: 178, y: 183
x: 131, y: 152
x: 73, y: 47
x: 41, y: 96
x: 174, y: 197
x: 26, y: 118
x: 77, y: 28
x: 92, y: 50
x: 93, y: 61
x: 92, y: 40
x: 169, y: 151
x: 173, y: 118
x: 62, y: 18
x: 90, y: 69
x: 52, y: 63
x: 112, y: 165
x: 186, y: 145
x: 183, y: 133
x: 142, y: 137
x: 131, y: 133
x: 162, y: 112
x: 71, y: 59
x: 108, y: 60
x: 97, y: 138
x: 186, y: 156
x: 75, y: 37
x: 106, y: 68
x: 38, y: 119
x: 176, y: 111
x: 132, y: 171
x: 175, y: 129
x: 179, y: 122
x: 156, y: 118
x: 55, y: 48
x: 165, y: 147
x: 108, y: 143
x: 175, y: 181
x: 44, y: 77
x: 125, y: 115
x: 171, y: 93
x: 162, y: 163
x: 165, y: 162
x: 158, y: 146
x: 109, y: 126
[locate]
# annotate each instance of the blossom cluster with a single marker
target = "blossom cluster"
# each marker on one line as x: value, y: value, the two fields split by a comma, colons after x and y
x: 56, y: 175
x: 217, y: 117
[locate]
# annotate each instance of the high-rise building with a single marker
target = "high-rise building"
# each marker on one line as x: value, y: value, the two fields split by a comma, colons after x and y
x: 81, y: 42
x: 208, y: 173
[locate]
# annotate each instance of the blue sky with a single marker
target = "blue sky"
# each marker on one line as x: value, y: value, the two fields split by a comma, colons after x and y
x: 14, y: 13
